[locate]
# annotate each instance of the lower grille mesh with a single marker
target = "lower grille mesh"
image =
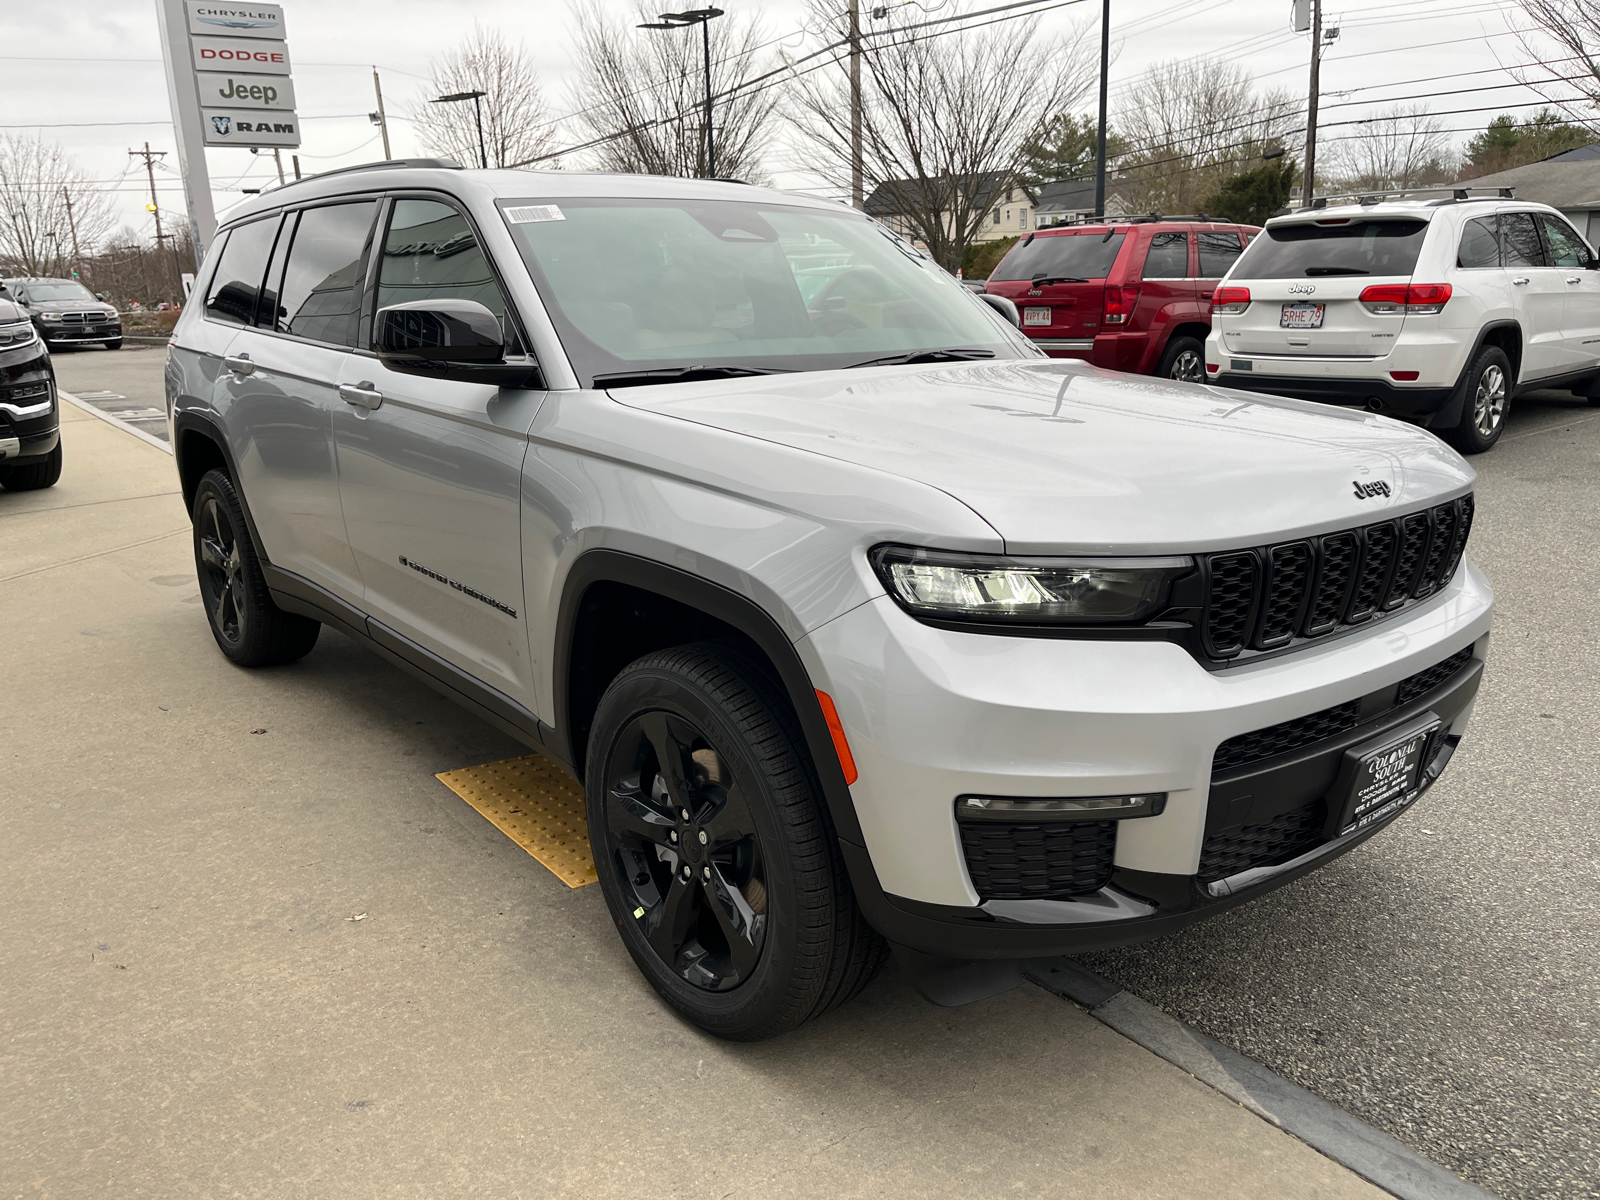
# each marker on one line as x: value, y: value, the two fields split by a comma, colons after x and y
x: 1245, y: 847
x: 1038, y: 861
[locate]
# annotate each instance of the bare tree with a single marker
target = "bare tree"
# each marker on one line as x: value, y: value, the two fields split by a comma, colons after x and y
x: 516, y: 121
x: 1190, y: 125
x: 641, y: 95
x: 1574, y: 25
x: 1402, y: 146
x: 46, y: 205
x: 948, y: 116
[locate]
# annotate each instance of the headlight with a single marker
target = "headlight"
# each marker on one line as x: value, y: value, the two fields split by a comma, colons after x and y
x: 16, y: 335
x: 49, y: 316
x: 1027, y: 591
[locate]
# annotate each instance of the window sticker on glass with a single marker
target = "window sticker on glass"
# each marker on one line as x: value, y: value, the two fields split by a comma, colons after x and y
x: 528, y: 214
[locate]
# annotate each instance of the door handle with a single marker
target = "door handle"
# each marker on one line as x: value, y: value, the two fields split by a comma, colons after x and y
x: 1519, y: 280
x: 362, y: 394
x: 1574, y: 278
x: 239, y: 364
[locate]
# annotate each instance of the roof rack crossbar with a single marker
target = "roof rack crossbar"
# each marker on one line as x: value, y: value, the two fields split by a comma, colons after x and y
x: 1452, y: 193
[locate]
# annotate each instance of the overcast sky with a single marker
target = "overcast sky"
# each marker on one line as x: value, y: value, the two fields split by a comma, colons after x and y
x: 91, y: 77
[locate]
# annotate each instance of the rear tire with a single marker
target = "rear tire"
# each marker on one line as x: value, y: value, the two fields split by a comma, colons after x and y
x: 248, y: 627
x: 1486, y: 402
x: 1184, y: 359
x: 29, y: 477
x: 696, y: 764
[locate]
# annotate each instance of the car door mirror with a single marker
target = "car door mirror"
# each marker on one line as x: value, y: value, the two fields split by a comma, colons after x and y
x: 1002, y: 306
x: 446, y: 339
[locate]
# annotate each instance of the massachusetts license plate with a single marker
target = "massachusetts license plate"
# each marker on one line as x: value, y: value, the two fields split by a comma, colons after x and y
x: 1380, y: 777
x: 1036, y: 316
x: 1301, y: 316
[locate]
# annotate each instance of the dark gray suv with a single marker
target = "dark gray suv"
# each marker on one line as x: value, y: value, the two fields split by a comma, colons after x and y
x: 65, y: 312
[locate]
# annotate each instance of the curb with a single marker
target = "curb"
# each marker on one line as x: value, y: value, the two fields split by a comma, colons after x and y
x: 1370, y: 1153
x: 120, y: 424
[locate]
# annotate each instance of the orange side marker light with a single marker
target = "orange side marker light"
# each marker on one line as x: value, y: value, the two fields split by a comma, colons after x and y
x: 830, y: 714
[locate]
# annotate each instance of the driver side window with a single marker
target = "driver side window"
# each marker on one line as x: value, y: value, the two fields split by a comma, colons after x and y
x: 431, y: 252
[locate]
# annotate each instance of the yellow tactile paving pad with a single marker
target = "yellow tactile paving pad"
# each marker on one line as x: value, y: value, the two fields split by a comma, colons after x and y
x: 535, y: 804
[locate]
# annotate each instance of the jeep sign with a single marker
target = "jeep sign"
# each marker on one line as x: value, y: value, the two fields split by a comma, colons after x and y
x: 246, y: 91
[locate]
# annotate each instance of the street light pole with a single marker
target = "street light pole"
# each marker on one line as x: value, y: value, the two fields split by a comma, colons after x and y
x: 681, y: 20
x: 857, y: 186
x: 477, y: 108
x: 1100, y: 144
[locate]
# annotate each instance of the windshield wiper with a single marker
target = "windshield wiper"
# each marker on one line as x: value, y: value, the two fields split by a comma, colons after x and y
x: 679, y: 375
x: 1312, y: 271
x: 1041, y: 280
x: 924, y: 356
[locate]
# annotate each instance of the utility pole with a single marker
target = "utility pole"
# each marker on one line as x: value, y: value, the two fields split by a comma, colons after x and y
x: 1308, y: 188
x: 857, y: 190
x: 383, y: 120
x: 72, y: 225
x: 1100, y: 145
x: 277, y: 157
x: 150, y: 157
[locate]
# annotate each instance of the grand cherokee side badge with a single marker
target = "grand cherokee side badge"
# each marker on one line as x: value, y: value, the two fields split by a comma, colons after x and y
x: 460, y: 587
x: 1366, y: 490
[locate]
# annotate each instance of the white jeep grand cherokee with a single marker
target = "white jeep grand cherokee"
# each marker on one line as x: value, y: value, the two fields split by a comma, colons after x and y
x: 863, y: 623
x: 1437, y: 311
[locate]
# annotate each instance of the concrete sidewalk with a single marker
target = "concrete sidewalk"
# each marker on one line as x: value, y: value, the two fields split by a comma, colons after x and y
x: 188, y: 1008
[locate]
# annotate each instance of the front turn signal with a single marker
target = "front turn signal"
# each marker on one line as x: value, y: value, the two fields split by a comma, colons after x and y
x: 841, y: 747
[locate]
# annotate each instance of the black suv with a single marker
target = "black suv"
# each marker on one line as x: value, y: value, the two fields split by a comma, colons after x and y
x: 65, y: 312
x: 30, y: 419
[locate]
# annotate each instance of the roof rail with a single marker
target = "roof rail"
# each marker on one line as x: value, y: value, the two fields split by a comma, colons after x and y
x: 1452, y: 194
x: 448, y: 164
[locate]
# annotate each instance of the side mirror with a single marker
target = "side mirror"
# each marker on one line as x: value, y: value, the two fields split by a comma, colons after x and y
x: 446, y: 339
x: 100, y: 296
x: 1002, y: 306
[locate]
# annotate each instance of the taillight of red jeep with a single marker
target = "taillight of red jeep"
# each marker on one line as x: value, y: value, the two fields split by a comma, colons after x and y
x: 1230, y: 300
x: 1119, y: 305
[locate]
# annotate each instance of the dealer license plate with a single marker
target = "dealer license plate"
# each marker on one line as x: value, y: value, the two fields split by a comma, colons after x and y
x: 1036, y: 316
x: 1301, y: 316
x: 1381, y: 777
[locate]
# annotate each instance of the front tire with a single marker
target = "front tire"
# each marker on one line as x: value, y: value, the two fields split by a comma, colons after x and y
x: 248, y: 627
x: 1184, y: 359
x: 715, y: 853
x: 114, y: 344
x: 1488, y: 399
x: 29, y: 477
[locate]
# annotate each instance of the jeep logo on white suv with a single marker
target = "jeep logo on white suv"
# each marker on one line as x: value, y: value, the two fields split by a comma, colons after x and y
x: 1302, y: 289
x: 1365, y: 491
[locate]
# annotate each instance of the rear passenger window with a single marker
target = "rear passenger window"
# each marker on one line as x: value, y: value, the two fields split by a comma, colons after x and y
x: 1566, y: 248
x: 1519, y: 241
x: 1478, y: 245
x: 321, y: 294
x: 431, y: 252
x: 236, y: 285
x: 1217, y: 252
x: 1168, y: 257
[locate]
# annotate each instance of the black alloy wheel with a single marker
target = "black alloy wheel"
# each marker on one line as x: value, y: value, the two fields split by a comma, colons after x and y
x: 686, y: 852
x: 248, y: 627
x: 716, y: 856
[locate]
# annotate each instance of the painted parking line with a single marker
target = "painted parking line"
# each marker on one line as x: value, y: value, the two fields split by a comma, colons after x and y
x: 110, y: 407
x: 1347, y: 1140
x: 535, y: 804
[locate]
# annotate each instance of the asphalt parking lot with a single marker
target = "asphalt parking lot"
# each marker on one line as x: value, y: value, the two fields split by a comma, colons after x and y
x: 1440, y: 982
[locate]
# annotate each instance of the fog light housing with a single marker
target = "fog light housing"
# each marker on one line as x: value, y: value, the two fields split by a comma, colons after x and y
x: 1060, y: 808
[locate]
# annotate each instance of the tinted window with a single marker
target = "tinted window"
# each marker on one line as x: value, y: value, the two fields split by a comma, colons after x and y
x: 1566, y: 248
x: 1353, y: 248
x: 269, y: 310
x: 61, y: 290
x: 1478, y: 245
x: 1168, y: 256
x: 430, y: 252
x: 1519, y: 241
x: 1217, y: 252
x: 1070, y: 256
x: 321, y: 295
x: 237, y: 282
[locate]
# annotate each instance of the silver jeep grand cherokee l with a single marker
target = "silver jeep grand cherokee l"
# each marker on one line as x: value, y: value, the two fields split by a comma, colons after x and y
x: 863, y: 624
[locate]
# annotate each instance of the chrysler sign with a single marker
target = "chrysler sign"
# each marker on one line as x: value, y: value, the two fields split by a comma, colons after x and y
x: 237, y: 20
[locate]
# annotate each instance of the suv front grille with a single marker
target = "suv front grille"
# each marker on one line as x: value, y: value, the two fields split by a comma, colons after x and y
x: 1329, y: 722
x: 1038, y: 860
x: 1275, y: 596
x: 1245, y: 847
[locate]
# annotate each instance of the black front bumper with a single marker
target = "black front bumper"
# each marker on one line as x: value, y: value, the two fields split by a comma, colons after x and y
x: 30, y: 424
x: 1399, y: 401
x: 1138, y: 905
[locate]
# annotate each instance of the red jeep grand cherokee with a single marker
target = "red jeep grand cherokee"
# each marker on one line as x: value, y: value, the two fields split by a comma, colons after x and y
x: 1133, y: 295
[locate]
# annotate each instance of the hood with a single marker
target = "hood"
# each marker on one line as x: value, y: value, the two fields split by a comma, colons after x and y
x: 1063, y: 457
x: 44, y: 306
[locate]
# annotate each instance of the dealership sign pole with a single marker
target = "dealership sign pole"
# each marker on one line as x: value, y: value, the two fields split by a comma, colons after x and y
x: 228, y: 76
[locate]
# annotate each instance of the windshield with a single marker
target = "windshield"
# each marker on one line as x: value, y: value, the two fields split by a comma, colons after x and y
x: 637, y: 285
x: 65, y: 290
x: 1347, y: 248
x: 1062, y: 256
